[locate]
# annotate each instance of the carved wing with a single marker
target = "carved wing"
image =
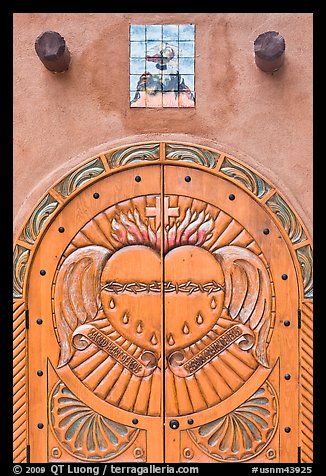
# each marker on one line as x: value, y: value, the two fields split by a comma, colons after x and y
x: 77, y: 293
x: 248, y: 293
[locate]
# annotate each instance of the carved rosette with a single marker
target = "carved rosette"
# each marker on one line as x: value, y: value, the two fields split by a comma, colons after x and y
x: 84, y: 433
x: 243, y: 433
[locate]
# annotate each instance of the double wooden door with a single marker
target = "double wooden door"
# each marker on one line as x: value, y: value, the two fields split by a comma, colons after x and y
x: 158, y: 303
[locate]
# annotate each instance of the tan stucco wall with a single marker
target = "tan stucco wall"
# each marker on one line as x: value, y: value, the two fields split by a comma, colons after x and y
x: 264, y: 120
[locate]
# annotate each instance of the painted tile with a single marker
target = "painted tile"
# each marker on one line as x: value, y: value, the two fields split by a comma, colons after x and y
x: 187, y: 32
x: 137, y: 65
x: 137, y: 32
x: 189, y: 80
x: 135, y: 100
x: 162, y: 65
x: 133, y: 82
x: 154, y: 100
x: 186, y: 66
x: 186, y: 49
x: 153, y: 83
x: 151, y: 68
x: 153, y: 32
x: 170, y: 32
x: 186, y: 99
x: 171, y: 99
x: 137, y: 49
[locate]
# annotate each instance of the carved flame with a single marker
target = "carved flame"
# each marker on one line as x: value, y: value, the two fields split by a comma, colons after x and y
x: 194, y: 229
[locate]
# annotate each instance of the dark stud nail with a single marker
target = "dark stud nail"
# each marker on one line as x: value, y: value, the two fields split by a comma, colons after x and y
x: 39, y: 321
x: 138, y: 178
x: 42, y: 272
x: 134, y: 421
x: 231, y: 196
x: 51, y: 48
x: 174, y: 424
x: 96, y: 195
x: 61, y: 229
x: 187, y: 178
x: 287, y: 429
x: 39, y: 373
x: 40, y: 425
x: 190, y: 421
x: 287, y: 323
x: 269, y: 50
x: 287, y: 376
x: 284, y: 276
x: 266, y: 231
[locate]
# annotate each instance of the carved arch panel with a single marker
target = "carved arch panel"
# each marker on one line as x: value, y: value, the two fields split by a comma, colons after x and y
x: 223, y: 370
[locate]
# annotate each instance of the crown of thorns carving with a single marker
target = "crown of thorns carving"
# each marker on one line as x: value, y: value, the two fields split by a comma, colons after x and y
x: 155, y: 286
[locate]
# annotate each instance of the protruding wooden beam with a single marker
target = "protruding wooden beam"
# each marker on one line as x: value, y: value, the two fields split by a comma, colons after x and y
x: 52, y: 50
x: 269, y: 51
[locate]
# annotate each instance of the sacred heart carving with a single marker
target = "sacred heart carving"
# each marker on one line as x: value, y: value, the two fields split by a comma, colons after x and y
x: 196, y: 300
x: 131, y: 295
x: 194, y: 297
x: 119, y: 308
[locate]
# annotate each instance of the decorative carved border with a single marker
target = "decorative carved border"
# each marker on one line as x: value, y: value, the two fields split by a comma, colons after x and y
x: 19, y: 387
x: 200, y: 157
x: 306, y: 384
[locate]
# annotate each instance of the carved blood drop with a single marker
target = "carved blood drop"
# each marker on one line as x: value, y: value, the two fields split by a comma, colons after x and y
x: 171, y: 340
x: 112, y: 304
x: 139, y: 329
x: 154, y: 339
x: 185, y: 329
x: 125, y: 318
x: 213, y: 303
x: 199, y: 319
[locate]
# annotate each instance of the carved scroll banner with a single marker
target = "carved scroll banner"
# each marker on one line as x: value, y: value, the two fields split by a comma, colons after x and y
x: 87, y: 334
x: 238, y: 334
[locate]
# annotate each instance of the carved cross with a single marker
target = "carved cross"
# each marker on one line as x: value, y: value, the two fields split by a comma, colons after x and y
x: 155, y: 212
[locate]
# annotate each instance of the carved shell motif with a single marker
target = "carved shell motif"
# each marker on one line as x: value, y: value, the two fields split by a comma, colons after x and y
x: 243, y: 433
x: 85, y: 434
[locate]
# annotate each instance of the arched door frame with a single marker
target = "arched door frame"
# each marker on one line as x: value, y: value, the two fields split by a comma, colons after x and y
x: 168, y: 152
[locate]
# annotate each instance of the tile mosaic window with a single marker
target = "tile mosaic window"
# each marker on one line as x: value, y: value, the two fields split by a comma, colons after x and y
x: 162, y: 65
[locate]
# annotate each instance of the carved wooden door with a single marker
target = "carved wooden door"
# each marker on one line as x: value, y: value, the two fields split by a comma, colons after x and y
x: 163, y: 284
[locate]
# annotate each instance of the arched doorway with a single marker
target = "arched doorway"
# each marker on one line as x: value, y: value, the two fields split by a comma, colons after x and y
x: 163, y: 293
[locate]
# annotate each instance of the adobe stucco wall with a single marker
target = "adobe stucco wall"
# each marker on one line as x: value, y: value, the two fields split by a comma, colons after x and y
x: 264, y: 120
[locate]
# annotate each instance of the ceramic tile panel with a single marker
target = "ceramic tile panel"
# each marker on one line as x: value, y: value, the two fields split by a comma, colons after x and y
x: 162, y: 65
